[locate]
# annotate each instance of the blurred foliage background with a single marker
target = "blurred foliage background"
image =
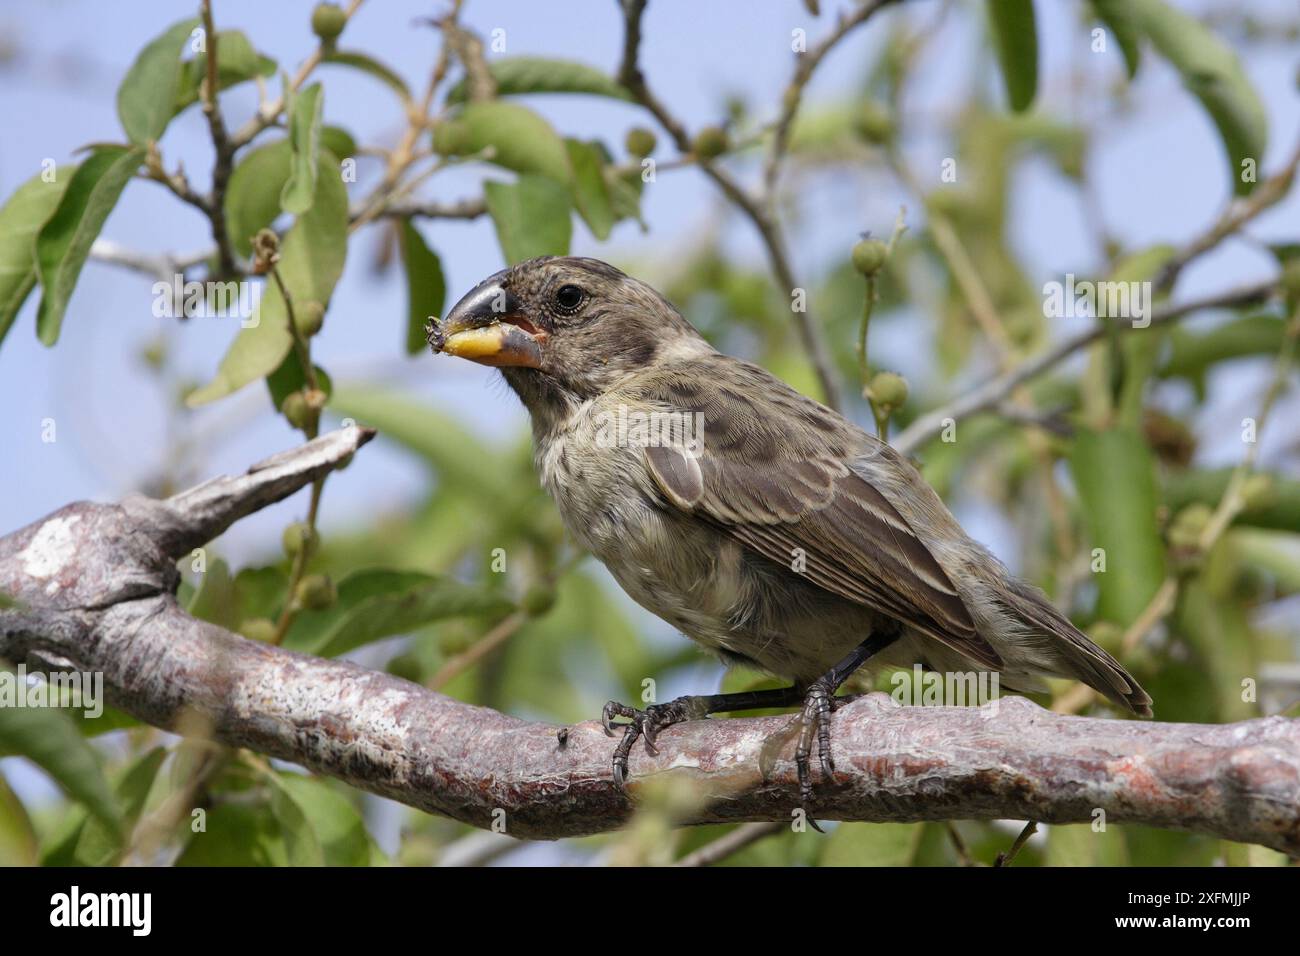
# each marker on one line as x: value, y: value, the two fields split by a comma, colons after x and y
x: 449, y: 567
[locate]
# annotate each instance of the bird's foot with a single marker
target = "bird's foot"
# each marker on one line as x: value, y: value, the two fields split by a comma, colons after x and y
x: 646, y: 724
x: 812, y: 723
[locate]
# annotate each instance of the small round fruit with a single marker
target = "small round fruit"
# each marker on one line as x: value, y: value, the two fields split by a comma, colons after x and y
x: 299, y: 537
x: 258, y: 629
x: 328, y: 21
x: 308, y: 317
x: 874, y: 123
x: 869, y: 256
x: 316, y: 592
x: 640, y: 142
x: 538, y: 600
x: 888, y: 389
x: 294, y: 408
x: 451, y: 138
x: 710, y: 142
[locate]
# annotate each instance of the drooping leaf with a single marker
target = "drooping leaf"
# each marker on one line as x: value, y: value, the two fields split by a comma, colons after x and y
x: 288, y: 377
x: 99, y: 846
x: 260, y: 842
x: 519, y: 139
x: 590, y: 188
x: 378, y: 603
x: 517, y: 75
x: 21, y: 217
x: 1081, y: 845
x: 339, y: 829
x: 1015, y: 37
x: 63, y: 243
x: 1214, y: 75
x: 253, y: 193
x: 311, y: 261
x: 237, y: 62
x: 1114, y: 472
x: 367, y: 64
x: 531, y: 217
x: 426, y: 289
x: 304, y: 142
x: 48, y: 738
x: 1118, y: 16
x: 300, y: 843
x: 146, y: 99
x: 18, y: 843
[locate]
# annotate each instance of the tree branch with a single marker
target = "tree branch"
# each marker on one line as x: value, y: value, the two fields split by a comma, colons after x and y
x: 95, y: 585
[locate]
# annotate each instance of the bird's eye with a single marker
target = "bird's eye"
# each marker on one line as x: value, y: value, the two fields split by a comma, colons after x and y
x: 568, y: 298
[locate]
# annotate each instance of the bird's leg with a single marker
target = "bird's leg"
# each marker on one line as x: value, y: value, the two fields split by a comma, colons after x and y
x: 819, y: 701
x: 647, y: 723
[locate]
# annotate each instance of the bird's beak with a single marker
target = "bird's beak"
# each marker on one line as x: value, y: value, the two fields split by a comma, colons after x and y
x: 488, y: 326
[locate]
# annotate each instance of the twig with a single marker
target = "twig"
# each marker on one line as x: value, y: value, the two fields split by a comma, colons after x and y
x: 630, y: 76
x: 989, y: 394
x: 731, y: 843
x: 480, y: 649
x: 225, y: 150
x: 1004, y: 859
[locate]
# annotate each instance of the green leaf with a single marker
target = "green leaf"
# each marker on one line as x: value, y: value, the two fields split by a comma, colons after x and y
x: 21, y: 217
x: 454, y: 451
x: 590, y: 188
x: 1118, y: 16
x: 378, y: 603
x: 260, y: 841
x: 517, y: 75
x: 64, y: 242
x: 531, y: 217
x: 1213, y: 74
x: 366, y: 64
x: 872, y: 844
x: 311, y: 261
x: 338, y: 141
x: 300, y: 843
x: 18, y: 843
x: 253, y: 193
x: 339, y: 830
x: 1015, y: 36
x: 520, y: 139
x: 289, y: 377
x: 1115, y: 476
x: 1081, y: 845
x: 146, y: 100
x: 304, y: 141
x: 1192, y: 354
x: 1276, y: 507
x: 237, y: 62
x: 49, y: 738
x: 426, y: 289
x: 99, y: 846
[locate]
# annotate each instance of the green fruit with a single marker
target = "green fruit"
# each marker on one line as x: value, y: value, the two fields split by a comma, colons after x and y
x: 888, y: 389
x: 1188, y: 525
x: 451, y: 138
x: 640, y: 142
x: 308, y: 317
x: 258, y: 629
x: 294, y: 408
x: 874, y: 123
x: 869, y: 255
x: 328, y: 21
x: 710, y: 142
x: 298, y: 537
x: 316, y: 592
x: 539, y: 599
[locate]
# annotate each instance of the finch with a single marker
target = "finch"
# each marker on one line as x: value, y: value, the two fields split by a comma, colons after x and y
x: 763, y: 525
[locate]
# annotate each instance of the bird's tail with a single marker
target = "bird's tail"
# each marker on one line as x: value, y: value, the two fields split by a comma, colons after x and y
x: 1073, y: 654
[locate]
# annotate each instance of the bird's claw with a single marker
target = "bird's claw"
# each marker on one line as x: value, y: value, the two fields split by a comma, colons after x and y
x: 811, y: 723
x: 643, y: 724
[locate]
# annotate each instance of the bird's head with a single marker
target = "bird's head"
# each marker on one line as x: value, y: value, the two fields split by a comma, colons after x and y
x: 563, y: 329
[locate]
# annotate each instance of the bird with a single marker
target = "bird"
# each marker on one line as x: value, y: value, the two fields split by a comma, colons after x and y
x: 766, y: 527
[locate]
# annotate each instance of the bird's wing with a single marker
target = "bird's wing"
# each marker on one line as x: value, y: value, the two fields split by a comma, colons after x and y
x: 777, y: 472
